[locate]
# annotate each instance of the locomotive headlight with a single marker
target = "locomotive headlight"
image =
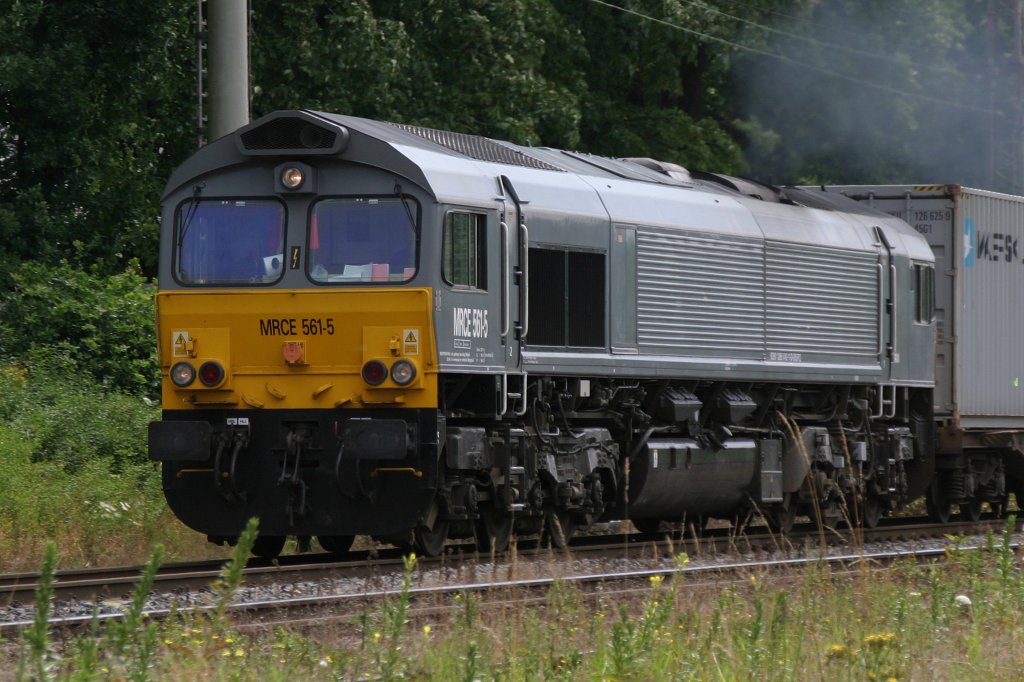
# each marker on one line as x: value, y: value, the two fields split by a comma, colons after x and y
x: 403, y: 372
x: 211, y: 373
x: 292, y: 178
x: 183, y: 374
x: 375, y: 372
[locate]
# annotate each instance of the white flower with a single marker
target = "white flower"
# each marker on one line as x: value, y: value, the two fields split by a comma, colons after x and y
x: 963, y: 600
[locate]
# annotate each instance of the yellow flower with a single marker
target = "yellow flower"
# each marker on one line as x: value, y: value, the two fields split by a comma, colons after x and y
x: 656, y: 580
x: 880, y: 639
x: 376, y: 636
x: 239, y: 652
x: 426, y: 631
x: 836, y: 650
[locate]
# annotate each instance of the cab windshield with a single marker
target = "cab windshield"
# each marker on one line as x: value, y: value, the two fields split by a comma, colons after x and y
x: 363, y: 240
x: 230, y: 242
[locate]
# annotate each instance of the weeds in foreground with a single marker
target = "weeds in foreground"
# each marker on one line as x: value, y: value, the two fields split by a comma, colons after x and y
x: 954, y: 620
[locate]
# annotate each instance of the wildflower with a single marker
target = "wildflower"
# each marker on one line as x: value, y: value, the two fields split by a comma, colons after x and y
x: 168, y: 641
x: 228, y: 640
x: 225, y: 653
x: 376, y: 636
x: 880, y: 639
x: 426, y: 631
x: 682, y: 560
x: 963, y: 601
x: 836, y: 650
x: 323, y: 663
x: 239, y: 652
x: 656, y: 580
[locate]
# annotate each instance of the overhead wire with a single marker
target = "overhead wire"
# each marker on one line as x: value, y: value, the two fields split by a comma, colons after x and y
x: 796, y: 62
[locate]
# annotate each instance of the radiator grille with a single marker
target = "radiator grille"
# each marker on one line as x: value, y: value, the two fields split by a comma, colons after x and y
x: 701, y: 292
x: 822, y: 300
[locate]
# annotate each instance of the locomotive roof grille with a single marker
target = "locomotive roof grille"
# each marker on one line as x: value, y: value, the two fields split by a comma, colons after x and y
x: 291, y: 135
x: 476, y: 147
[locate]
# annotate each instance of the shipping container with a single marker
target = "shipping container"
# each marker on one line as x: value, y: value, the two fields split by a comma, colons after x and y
x: 978, y: 240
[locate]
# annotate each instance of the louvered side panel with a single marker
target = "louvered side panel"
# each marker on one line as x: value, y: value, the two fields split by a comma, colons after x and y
x: 699, y: 293
x: 821, y: 300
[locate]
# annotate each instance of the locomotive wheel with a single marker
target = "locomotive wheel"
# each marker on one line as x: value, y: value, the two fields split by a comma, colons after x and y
x: 559, y: 528
x: 971, y: 510
x: 647, y: 526
x: 430, y: 541
x: 268, y: 546
x: 493, y: 531
x: 939, y: 508
x: 871, y: 512
x: 335, y: 544
x: 781, y: 519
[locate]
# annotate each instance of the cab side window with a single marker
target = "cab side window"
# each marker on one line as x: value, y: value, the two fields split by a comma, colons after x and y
x: 464, y: 256
x: 925, y: 276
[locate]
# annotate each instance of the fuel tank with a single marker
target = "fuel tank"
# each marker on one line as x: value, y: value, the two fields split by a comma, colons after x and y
x: 674, y: 477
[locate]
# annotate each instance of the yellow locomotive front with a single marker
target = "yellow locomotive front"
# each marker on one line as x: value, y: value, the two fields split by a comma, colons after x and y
x: 297, y: 349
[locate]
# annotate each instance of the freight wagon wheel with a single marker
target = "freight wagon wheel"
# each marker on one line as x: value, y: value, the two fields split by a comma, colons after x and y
x: 335, y: 544
x: 937, y: 502
x: 559, y: 528
x: 493, y: 530
x: 971, y: 510
x: 268, y: 546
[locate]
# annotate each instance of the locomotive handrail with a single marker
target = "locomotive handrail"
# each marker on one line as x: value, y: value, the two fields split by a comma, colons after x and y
x: 524, y: 288
x: 893, y: 318
x: 881, y: 311
x: 506, y: 270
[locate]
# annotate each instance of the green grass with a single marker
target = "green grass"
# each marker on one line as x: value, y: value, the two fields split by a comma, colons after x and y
x: 74, y: 470
x: 902, y: 624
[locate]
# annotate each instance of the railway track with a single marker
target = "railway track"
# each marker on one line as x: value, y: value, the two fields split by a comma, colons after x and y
x: 375, y: 577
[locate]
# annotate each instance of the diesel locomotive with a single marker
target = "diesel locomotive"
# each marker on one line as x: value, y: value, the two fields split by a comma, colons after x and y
x: 379, y: 329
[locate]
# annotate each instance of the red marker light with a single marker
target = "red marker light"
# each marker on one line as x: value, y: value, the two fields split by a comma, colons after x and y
x: 375, y: 372
x: 211, y: 373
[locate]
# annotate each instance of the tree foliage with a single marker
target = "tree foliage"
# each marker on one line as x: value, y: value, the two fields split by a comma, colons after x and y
x: 101, y: 324
x: 94, y: 114
x: 97, y: 106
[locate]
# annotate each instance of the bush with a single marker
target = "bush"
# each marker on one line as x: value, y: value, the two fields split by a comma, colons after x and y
x: 69, y: 419
x: 101, y: 325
